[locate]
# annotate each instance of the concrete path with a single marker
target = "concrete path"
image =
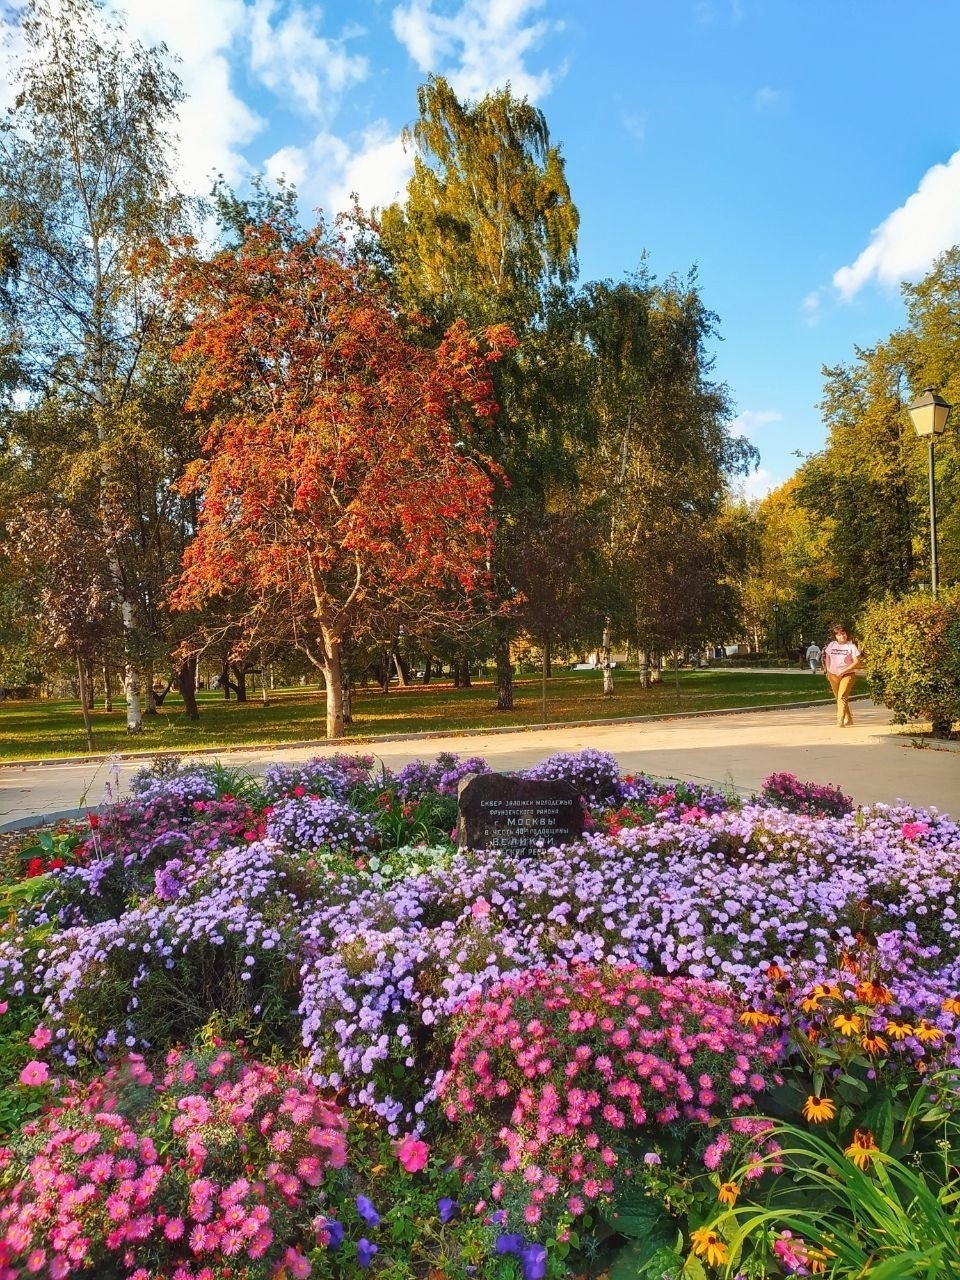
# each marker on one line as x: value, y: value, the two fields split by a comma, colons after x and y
x: 873, y: 760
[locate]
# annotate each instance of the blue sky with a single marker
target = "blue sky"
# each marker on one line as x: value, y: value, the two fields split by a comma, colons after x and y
x: 804, y: 154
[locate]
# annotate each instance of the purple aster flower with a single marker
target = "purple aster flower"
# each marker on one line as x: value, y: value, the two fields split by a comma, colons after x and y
x: 533, y: 1261
x: 447, y: 1208
x: 366, y: 1250
x: 510, y: 1242
x: 367, y: 1212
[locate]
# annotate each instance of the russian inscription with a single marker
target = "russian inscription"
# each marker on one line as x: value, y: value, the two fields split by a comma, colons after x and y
x: 517, y: 815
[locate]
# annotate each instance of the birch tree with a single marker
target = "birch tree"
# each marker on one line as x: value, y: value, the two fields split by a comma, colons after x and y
x: 85, y: 187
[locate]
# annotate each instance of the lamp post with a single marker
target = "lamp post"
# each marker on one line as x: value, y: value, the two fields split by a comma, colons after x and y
x: 929, y: 414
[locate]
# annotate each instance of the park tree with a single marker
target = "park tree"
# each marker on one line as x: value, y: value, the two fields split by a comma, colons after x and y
x: 85, y: 188
x: 788, y: 581
x: 488, y: 232
x: 930, y: 348
x: 864, y: 483
x: 339, y: 474
x: 70, y: 592
x: 662, y: 458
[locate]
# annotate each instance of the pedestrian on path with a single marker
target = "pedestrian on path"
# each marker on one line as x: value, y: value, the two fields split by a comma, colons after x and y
x: 814, y: 653
x: 842, y: 659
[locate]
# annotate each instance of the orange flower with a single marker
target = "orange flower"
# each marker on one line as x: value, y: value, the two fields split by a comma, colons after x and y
x: 873, y: 1043
x: 873, y: 993
x: 707, y: 1244
x: 775, y: 973
x: 757, y: 1018
x: 899, y: 1030
x: 816, y: 1110
x: 951, y: 1005
x: 848, y: 1023
x: 928, y: 1034
x: 728, y: 1193
x: 861, y: 1150
x: 848, y: 963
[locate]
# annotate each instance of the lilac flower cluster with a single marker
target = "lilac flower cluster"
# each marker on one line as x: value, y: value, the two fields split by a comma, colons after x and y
x: 444, y: 774
x: 183, y: 907
x: 818, y: 800
x: 338, y: 777
x: 314, y: 822
x: 713, y: 899
x: 594, y: 774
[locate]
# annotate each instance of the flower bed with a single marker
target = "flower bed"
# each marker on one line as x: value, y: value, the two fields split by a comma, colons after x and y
x: 531, y: 1066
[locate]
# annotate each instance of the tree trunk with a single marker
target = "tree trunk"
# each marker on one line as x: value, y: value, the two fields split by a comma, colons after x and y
x: 107, y: 686
x: 544, y: 673
x: 226, y: 683
x: 88, y: 672
x: 400, y: 667
x: 676, y: 675
x: 150, y: 700
x: 85, y: 703
x: 428, y: 668
x: 131, y: 689
x: 643, y: 661
x: 131, y: 676
x: 187, y: 684
x: 264, y: 692
x: 656, y: 668
x: 504, y: 670
x: 465, y: 680
x: 333, y: 683
x: 605, y: 666
x: 240, y: 685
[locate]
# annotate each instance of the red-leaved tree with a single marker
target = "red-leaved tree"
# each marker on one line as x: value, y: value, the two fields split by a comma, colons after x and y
x: 338, y: 476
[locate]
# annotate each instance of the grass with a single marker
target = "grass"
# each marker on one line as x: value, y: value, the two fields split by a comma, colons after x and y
x: 36, y: 730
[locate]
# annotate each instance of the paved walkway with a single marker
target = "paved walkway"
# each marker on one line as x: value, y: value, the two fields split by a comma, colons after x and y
x: 873, y: 760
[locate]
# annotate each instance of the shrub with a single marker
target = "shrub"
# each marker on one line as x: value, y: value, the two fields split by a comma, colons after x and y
x: 337, y: 777
x: 912, y: 648
x: 217, y: 1164
x: 816, y: 800
x: 594, y: 774
x: 574, y: 1074
x: 416, y: 780
x: 314, y: 822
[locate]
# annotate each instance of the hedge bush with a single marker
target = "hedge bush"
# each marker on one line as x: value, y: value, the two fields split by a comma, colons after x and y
x: 912, y: 649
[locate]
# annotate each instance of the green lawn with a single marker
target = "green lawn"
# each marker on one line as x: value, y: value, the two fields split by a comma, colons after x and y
x: 30, y: 730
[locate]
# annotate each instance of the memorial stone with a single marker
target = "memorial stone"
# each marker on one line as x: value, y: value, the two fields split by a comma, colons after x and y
x: 517, y: 815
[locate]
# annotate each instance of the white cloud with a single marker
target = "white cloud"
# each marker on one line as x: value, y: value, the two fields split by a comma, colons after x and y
x: 480, y: 46
x: 756, y: 485
x: 294, y: 61
x: 767, y: 98
x: 811, y: 305
x: 905, y: 244
x: 215, y: 123
x: 636, y: 126
x: 326, y: 171
x: 752, y: 421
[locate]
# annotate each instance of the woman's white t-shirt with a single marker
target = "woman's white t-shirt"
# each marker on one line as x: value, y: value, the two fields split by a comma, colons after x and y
x: 839, y: 657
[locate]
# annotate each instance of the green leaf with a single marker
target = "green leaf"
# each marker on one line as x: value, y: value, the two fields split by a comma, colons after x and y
x: 636, y: 1216
x: 693, y: 1268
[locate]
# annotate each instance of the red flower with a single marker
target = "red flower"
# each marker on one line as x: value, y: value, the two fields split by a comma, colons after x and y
x: 94, y: 821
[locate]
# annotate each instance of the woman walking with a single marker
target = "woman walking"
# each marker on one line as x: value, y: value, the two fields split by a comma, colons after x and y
x: 842, y: 660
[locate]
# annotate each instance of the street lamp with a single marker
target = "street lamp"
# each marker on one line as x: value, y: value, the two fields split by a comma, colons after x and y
x: 929, y: 414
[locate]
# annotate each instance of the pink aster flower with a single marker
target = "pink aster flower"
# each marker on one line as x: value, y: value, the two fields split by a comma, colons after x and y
x: 35, y: 1073
x: 411, y: 1152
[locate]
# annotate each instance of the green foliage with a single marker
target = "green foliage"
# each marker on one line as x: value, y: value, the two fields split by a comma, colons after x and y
x: 886, y: 1221
x: 912, y: 650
